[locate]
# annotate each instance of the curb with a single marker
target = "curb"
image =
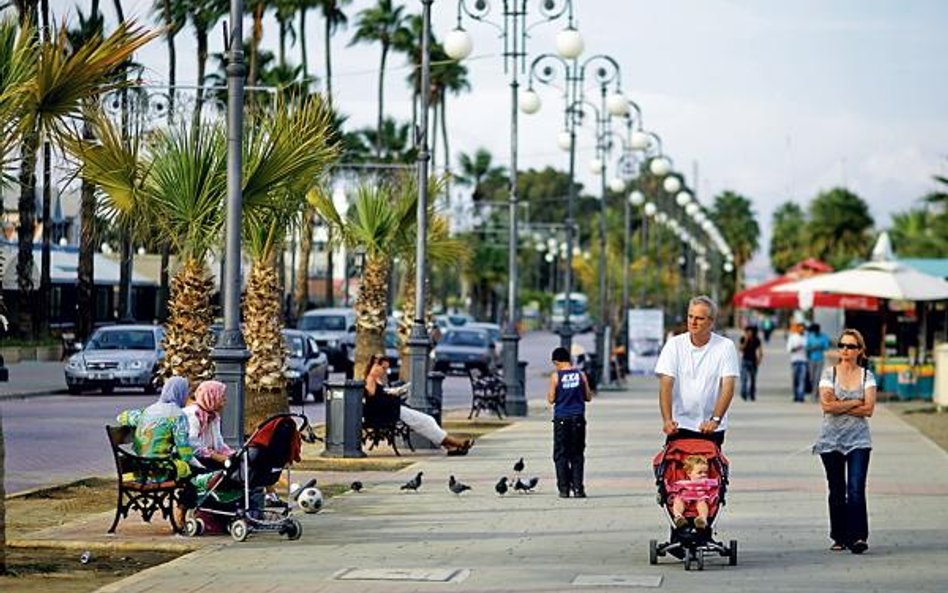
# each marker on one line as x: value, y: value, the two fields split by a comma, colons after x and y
x: 55, y: 487
x: 80, y: 545
x: 36, y: 393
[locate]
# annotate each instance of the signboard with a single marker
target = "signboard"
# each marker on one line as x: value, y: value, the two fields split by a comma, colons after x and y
x: 646, y: 336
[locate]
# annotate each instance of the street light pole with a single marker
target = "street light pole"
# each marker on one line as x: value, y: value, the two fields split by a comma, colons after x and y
x: 418, y: 341
x: 514, y: 34
x: 230, y: 354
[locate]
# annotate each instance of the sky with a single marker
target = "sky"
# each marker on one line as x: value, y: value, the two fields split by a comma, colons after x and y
x: 771, y: 99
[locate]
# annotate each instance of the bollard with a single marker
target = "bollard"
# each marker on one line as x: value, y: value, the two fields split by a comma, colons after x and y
x: 344, y: 419
x: 435, y: 394
x: 522, y: 376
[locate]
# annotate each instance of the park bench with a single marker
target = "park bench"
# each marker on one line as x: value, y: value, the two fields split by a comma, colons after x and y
x: 382, y: 424
x: 145, y: 484
x: 488, y: 392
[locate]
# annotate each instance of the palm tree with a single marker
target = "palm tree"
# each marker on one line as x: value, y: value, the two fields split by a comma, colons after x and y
x: 334, y: 19
x: 287, y: 154
x: 204, y: 15
x: 381, y: 24
x: 734, y: 216
x: 788, y: 237
x: 173, y: 16
x: 395, y: 143
x: 63, y: 83
x: 284, y: 11
x: 256, y: 8
x: 378, y: 224
x: 840, y: 227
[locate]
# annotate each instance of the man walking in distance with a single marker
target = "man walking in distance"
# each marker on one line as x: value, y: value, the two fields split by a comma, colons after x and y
x: 697, y: 373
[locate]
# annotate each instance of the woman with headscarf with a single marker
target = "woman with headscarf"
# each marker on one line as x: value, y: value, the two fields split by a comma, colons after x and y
x: 161, y: 429
x: 204, y: 425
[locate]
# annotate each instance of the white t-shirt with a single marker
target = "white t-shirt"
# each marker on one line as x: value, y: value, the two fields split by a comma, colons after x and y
x: 697, y: 373
x: 796, y: 346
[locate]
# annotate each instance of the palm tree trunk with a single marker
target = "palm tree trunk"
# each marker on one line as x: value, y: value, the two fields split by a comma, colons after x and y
x: 328, y: 51
x: 447, y: 154
x: 301, y: 297
x: 370, y: 311
x: 303, y: 59
x: 378, y: 139
x: 201, y: 35
x: 255, y: 39
x: 282, y: 46
x: 330, y: 292
x: 434, y: 140
x: 27, y: 213
x: 188, y: 335
x: 266, y: 392
x: 172, y: 58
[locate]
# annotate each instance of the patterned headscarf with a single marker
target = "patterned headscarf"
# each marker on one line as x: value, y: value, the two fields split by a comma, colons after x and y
x: 174, y: 391
x: 209, y: 397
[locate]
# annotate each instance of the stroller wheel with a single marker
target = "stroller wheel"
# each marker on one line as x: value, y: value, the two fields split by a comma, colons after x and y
x: 193, y: 527
x: 293, y: 529
x: 653, y: 551
x: 239, y: 530
x: 732, y: 553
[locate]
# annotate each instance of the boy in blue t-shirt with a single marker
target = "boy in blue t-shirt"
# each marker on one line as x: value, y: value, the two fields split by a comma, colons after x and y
x: 568, y: 394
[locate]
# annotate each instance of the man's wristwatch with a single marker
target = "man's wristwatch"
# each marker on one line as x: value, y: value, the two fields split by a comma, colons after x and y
x: 715, y: 419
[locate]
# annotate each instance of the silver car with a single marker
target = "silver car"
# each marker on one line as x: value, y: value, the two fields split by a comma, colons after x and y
x: 117, y: 356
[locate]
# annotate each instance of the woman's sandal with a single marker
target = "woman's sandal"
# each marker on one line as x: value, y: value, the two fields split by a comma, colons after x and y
x: 837, y: 547
x: 463, y: 449
x: 858, y: 547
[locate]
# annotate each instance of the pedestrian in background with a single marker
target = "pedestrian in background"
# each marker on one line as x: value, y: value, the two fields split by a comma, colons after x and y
x: 752, y: 353
x: 847, y: 397
x: 816, y: 345
x: 796, y: 346
x: 569, y: 391
x: 767, y: 325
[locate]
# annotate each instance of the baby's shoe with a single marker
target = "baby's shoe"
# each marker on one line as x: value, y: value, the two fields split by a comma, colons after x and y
x: 701, y: 522
x: 680, y: 521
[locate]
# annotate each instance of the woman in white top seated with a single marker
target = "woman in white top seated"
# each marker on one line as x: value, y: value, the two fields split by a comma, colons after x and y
x: 204, y: 426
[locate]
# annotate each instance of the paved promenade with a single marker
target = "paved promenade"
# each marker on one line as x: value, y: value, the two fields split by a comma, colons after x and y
x: 537, y: 542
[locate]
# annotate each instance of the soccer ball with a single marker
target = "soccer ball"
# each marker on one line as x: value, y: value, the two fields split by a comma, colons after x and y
x: 310, y: 500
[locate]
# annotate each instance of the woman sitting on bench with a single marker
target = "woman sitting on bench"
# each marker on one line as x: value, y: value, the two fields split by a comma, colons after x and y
x: 204, y: 427
x: 381, y: 405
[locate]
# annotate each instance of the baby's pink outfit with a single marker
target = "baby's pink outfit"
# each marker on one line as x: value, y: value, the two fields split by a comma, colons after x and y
x: 705, y: 489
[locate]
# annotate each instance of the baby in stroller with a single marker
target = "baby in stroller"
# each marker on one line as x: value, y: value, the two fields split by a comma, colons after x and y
x: 698, y: 490
x: 691, y: 475
x: 237, y: 494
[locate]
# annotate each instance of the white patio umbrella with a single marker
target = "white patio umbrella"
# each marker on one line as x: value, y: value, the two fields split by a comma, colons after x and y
x: 881, y: 279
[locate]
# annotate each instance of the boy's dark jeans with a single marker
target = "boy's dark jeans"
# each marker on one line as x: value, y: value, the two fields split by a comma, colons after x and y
x: 569, y: 446
x: 846, y: 478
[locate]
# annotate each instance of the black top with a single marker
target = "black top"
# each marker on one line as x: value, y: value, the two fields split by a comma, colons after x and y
x: 380, y: 408
x: 749, y: 348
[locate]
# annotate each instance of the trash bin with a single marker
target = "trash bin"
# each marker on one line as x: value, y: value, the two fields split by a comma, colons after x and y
x: 941, y: 375
x: 925, y: 381
x: 905, y: 389
x: 344, y: 419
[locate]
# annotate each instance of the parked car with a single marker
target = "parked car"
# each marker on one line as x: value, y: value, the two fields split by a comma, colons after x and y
x: 117, y: 356
x: 334, y: 332
x: 494, y: 334
x: 307, y: 368
x: 462, y: 349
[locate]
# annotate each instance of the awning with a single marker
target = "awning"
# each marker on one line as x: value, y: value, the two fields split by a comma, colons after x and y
x: 766, y: 296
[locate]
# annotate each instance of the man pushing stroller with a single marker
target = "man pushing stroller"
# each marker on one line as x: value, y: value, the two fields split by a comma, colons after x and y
x: 697, y: 373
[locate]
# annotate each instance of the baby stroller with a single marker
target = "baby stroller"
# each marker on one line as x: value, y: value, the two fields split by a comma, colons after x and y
x: 690, y: 543
x: 236, y: 495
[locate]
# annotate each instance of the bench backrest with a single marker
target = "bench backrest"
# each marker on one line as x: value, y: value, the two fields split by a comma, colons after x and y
x: 146, y: 470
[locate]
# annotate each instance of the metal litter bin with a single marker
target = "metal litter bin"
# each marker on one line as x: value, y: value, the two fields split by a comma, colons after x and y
x: 344, y: 419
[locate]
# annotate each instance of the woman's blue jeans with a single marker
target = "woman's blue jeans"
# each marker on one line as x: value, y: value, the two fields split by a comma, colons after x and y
x: 799, y: 380
x: 748, y: 380
x: 846, y: 478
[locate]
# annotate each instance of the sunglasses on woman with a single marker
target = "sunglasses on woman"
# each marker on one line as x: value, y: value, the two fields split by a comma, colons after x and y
x: 844, y: 346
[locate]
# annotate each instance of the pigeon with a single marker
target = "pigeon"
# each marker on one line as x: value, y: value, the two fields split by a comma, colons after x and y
x: 457, y: 487
x: 413, y: 484
x: 356, y: 486
x: 527, y: 486
x: 518, y: 467
x: 501, y: 486
x: 86, y: 557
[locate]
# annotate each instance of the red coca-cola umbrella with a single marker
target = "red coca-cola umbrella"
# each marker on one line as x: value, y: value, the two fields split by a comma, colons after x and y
x: 764, y: 296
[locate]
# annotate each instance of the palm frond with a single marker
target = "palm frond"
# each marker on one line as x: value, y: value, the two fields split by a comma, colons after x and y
x: 17, y: 65
x: 65, y: 79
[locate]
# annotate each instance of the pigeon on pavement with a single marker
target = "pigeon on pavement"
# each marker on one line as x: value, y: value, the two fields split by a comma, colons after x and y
x: 518, y: 467
x: 501, y: 486
x: 413, y: 484
x: 356, y: 486
x: 527, y: 486
x: 457, y: 487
